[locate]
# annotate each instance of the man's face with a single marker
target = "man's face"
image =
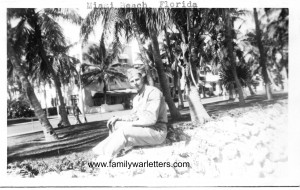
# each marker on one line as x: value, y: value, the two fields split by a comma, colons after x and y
x: 136, y: 82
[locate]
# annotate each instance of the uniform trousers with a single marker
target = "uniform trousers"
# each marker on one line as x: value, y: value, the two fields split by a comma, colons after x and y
x: 126, y: 135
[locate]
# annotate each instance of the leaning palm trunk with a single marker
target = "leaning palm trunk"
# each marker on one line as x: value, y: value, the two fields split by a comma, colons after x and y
x: 171, y: 61
x: 238, y: 83
x: 49, y: 133
x: 250, y: 88
x: 229, y: 42
x: 285, y: 79
x: 9, y: 94
x: 183, y: 77
x: 45, y: 97
x: 262, y: 57
x: 197, y: 110
x: 140, y: 44
x: 180, y: 99
x: 62, y: 107
x: 276, y: 87
x: 231, y: 88
x: 175, y: 114
x: 42, y: 53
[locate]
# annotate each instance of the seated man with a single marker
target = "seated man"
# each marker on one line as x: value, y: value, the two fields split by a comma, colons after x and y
x: 146, y: 125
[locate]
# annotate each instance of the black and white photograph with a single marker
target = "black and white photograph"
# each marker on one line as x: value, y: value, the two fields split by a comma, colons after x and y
x: 152, y: 94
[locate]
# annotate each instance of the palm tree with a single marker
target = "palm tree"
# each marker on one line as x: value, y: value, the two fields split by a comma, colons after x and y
x: 147, y: 58
x: 154, y: 20
x: 39, y: 80
x: 99, y: 68
x: 227, y: 78
x: 14, y: 84
x: 16, y: 40
x: 45, y: 42
x: 172, y: 52
x: 145, y: 22
x: 262, y: 57
x: 192, y: 24
x: 49, y: 133
x: 278, y: 34
x: 119, y: 21
x: 230, y: 49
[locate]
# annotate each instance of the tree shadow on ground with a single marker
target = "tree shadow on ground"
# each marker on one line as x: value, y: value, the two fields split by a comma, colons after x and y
x: 214, y: 108
x: 71, y: 139
x: 82, y: 137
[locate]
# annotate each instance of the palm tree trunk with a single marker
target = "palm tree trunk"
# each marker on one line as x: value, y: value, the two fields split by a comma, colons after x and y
x: 49, y: 133
x: 180, y: 99
x: 272, y: 80
x: 104, y: 91
x: 9, y: 93
x: 45, y: 97
x: 43, y: 55
x: 175, y: 114
x: 285, y: 79
x: 229, y: 41
x: 197, y: 110
x: 171, y: 60
x: 231, y: 87
x: 262, y: 57
x: 250, y: 89
x: 175, y: 81
x: 238, y: 84
x: 140, y: 44
x: 62, y: 106
x: 80, y: 92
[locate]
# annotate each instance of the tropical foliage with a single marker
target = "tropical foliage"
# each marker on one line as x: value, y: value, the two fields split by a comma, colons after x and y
x: 19, y: 109
x: 33, y: 46
x: 98, y: 66
x: 175, y: 43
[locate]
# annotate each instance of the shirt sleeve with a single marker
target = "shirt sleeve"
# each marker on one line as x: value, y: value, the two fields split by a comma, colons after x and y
x: 131, y: 117
x: 149, y: 115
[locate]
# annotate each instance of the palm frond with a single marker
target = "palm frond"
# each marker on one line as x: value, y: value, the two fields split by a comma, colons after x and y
x: 70, y: 15
x: 90, y: 58
x: 53, y: 33
x: 90, y: 22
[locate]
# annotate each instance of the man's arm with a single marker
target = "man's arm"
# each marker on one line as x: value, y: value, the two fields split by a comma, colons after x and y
x: 131, y: 117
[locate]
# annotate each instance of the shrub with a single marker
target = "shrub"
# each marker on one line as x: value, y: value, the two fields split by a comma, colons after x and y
x: 19, y: 109
x: 227, y: 78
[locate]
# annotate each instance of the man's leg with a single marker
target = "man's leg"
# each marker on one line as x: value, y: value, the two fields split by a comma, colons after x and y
x: 102, y: 146
x: 127, y: 135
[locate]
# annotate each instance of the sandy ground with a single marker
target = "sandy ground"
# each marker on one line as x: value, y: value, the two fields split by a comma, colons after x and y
x: 242, y: 142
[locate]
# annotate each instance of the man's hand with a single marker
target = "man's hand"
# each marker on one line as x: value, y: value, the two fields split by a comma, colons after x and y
x: 111, y: 122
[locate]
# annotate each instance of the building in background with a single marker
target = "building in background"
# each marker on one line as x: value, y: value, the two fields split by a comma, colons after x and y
x: 118, y: 93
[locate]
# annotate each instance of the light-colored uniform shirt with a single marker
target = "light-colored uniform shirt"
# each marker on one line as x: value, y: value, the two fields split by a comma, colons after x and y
x: 149, y: 108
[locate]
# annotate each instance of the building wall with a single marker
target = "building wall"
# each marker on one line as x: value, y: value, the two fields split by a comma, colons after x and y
x: 128, y: 51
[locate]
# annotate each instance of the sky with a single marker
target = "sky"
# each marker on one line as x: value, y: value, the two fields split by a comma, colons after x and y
x: 72, y: 33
